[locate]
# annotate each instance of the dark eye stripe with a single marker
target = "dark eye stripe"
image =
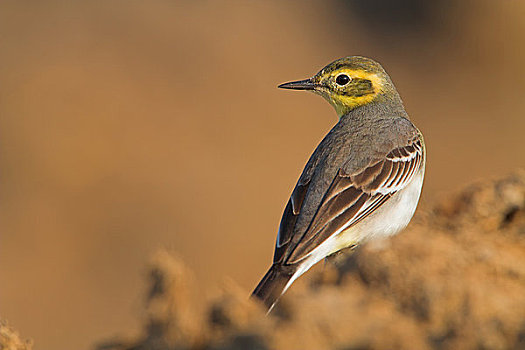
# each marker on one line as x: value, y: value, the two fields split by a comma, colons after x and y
x: 358, y: 87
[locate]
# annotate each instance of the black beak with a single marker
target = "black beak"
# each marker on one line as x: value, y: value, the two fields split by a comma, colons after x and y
x: 306, y: 84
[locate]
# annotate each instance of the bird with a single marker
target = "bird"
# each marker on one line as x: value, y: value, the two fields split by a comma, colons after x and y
x: 362, y: 182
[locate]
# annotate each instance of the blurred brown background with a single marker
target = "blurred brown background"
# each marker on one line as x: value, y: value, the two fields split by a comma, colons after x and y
x: 126, y: 126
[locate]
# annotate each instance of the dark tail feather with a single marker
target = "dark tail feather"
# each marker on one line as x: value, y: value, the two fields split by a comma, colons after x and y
x: 272, y: 286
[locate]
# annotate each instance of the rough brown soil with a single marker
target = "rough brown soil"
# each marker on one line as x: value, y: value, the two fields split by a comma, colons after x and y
x: 454, y: 280
x: 11, y: 340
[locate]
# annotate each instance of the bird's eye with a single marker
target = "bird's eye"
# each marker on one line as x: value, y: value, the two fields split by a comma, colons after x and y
x: 342, y: 79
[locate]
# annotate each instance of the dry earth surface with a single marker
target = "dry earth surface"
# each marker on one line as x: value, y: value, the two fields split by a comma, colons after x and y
x: 454, y: 280
x: 11, y: 340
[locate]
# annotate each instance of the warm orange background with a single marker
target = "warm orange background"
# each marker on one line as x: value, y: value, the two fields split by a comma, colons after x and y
x: 126, y: 126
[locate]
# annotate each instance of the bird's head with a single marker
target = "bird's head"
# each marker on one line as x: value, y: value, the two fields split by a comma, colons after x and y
x: 348, y: 83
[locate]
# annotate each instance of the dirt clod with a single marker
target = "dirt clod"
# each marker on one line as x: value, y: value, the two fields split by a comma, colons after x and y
x: 11, y: 340
x: 455, y: 279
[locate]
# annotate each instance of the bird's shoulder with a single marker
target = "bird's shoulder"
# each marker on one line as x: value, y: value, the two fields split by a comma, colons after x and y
x: 351, y: 145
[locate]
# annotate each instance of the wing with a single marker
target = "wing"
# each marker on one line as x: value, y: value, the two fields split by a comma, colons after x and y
x: 349, y: 199
x: 290, y: 215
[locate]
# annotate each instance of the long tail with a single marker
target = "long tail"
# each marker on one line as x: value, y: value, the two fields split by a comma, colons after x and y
x: 273, y: 285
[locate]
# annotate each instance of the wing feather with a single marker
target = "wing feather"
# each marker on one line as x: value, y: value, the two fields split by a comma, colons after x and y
x: 305, y: 246
x: 352, y: 198
x: 291, y: 212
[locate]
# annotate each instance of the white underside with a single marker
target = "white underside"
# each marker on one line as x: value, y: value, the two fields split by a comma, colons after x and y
x: 392, y: 217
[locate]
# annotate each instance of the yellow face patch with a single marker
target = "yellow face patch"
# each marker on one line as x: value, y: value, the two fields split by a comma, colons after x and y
x: 347, y: 88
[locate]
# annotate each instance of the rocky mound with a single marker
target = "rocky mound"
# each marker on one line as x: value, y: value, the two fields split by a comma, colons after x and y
x: 455, y: 279
x: 11, y: 340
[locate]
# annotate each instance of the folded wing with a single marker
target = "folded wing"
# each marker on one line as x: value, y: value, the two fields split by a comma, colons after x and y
x: 349, y: 199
